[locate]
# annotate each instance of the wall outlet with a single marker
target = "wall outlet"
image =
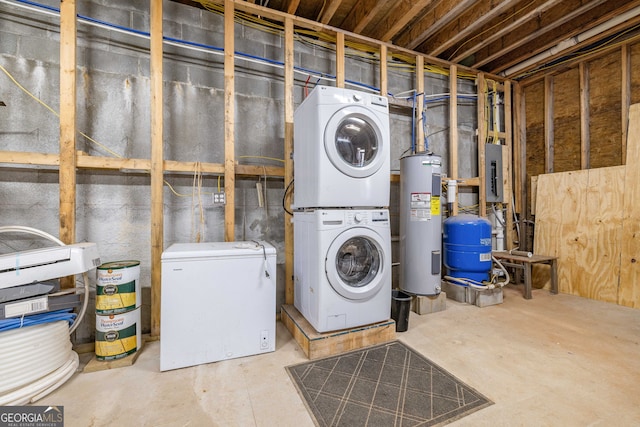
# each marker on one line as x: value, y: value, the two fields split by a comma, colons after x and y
x: 219, y: 198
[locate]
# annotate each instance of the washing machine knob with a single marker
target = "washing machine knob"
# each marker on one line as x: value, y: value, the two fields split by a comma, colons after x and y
x: 357, y: 98
x: 357, y: 217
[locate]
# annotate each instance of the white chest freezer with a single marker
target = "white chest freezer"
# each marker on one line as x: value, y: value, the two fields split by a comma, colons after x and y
x: 218, y: 302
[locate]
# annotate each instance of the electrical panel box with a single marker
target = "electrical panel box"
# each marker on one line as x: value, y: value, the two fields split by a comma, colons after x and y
x: 493, y: 173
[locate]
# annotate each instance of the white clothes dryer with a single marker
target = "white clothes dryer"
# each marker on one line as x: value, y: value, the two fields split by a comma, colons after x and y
x: 341, y: 150
x: 342, y: 267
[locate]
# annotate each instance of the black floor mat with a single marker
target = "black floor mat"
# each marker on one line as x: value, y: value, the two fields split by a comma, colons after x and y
x: 385, y: 385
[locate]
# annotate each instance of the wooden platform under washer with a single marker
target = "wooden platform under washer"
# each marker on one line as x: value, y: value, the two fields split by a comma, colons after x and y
x: 316, y: 345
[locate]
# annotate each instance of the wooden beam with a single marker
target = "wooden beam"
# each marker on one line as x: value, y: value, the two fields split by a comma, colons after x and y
x: 585, y: 138
x: 503, y: 30
x: 29, y: 158
x: 340, y: 60
x: 626, y: 97
x: 316, y: 26
x: 482, y: 139
x: 420, y: 107
x: 67, y: 172
x: 442, y: 14
x: 288, y: 154
x: 134, y: 165
x: 556, y: 35
x: 519, y: 151
x: 469, y: 182
x: 556, y: 23
x: 328, y: 10
x: 157, y: 164
x: 254, y: 170
x: 384, y: 79
x: 229, y: 122
x: 548, y: 124
x: 401, y: 14
x: 467, y: 23
x: 507, y: 161
x: 361, y: 15
x: 293, y: 6
x: 453, y: 126
x: 572, y: 63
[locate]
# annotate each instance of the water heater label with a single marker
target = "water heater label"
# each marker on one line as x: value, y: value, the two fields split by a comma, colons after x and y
x: 420, y: 215
x: 420, y: 200
x: 420, y: 207
x: 435, y: 205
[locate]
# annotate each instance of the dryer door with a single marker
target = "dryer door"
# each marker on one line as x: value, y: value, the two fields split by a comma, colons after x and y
x: 355, y: 263
x: 354, y: 142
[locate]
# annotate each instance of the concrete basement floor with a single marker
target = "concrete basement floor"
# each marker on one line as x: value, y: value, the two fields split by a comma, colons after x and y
x: 555, y: 360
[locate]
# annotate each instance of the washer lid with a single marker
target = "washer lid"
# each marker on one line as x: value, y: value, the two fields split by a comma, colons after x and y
x: 354, y: 264
x: 354, y: 142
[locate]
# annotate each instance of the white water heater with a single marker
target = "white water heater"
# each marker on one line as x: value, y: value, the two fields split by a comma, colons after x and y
x: 420, y: 224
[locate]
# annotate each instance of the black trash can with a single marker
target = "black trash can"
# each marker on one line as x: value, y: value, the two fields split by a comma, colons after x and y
x: 400, y: 308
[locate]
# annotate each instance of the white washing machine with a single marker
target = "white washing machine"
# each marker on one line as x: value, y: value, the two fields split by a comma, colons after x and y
x: 341, y: 150
x: 342, y: 267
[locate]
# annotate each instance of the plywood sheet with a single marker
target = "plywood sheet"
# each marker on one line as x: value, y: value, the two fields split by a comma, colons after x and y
x: 591, y: 220
x: 629, y: 294
x: 597, y: 257
x: 560, y: 205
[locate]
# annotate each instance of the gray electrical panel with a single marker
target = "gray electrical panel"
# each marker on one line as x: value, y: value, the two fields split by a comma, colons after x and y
x: 493, y: 173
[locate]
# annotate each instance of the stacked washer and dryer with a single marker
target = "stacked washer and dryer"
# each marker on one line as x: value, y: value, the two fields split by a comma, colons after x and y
x: 342, y: 235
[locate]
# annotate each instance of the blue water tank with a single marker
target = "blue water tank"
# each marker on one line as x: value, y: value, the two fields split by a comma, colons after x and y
x: 467, y: 247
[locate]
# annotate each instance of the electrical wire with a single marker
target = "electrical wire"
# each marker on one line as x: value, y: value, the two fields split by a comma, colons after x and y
x: 284, y: 197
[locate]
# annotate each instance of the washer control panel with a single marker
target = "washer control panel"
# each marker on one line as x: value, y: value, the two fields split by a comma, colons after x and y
x: 376, y: 217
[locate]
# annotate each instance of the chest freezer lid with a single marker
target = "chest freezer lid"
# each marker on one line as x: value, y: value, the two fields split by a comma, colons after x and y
x: 242, y: 249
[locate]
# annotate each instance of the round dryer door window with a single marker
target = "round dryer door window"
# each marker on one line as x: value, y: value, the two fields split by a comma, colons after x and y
x: 353, y: 142
x: 355, y: 263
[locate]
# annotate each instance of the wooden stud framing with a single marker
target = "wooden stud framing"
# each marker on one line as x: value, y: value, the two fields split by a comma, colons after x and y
x: 520, y: 161
x: 157, y: 166
x: 67, y: 171
x: 229, y: 122
x: 626, y: 97
x: 420, y: 104
x: 384, y: 79
x: 288, y: 151
x: 453, y: 127
x: 482, y: 139
x: 548, y: 124
x: 506, y: 166
x: 69, y: 159
x: 585, y: 138
x: 340, y: 59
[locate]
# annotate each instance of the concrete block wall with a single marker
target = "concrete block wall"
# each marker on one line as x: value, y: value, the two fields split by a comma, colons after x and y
x: 113, y: 108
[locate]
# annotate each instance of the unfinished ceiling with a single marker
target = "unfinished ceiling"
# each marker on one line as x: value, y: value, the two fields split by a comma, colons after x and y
x: 497, y: 36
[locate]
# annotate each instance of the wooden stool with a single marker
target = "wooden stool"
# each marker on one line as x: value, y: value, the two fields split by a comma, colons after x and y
x: 524, y: 263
